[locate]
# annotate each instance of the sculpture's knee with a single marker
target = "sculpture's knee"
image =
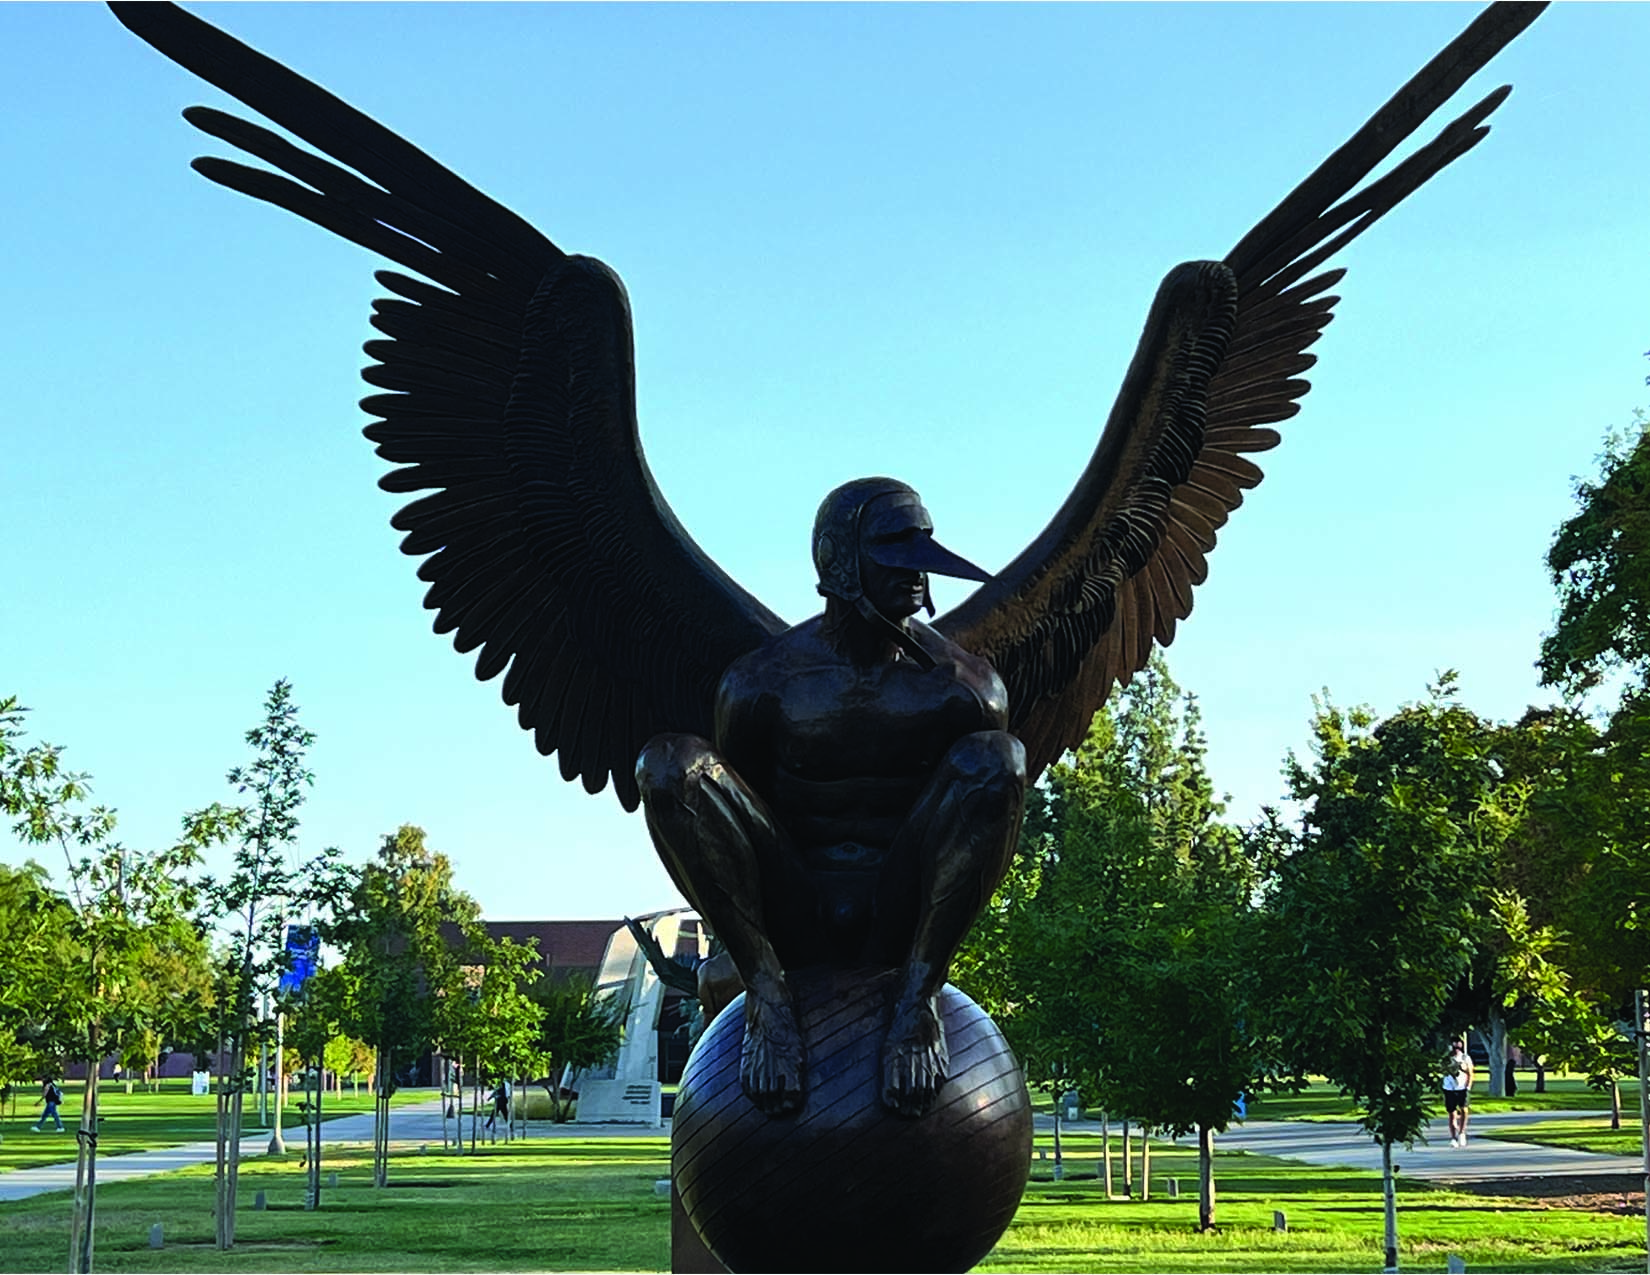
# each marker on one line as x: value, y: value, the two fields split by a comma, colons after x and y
x: 671, y: 764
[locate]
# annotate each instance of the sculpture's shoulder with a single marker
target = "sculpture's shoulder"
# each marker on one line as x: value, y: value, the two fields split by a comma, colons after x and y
x: 970, y: 670
x: 767, y: 668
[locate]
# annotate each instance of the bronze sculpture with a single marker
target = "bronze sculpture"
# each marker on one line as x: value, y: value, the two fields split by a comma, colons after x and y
x: 843, y: 793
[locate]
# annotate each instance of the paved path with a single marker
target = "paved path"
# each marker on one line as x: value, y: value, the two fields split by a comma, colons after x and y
x: 1314, y: 1142
x: 415, y: 1124
x: 1435, y: 1160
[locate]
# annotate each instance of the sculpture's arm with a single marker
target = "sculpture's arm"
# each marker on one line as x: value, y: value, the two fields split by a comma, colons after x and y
x: 744, y: 735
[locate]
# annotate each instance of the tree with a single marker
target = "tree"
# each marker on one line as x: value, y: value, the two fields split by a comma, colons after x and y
x: 1600, y: 568
x: 1600, y: 565
x: 492, y: 1021
x: 1375, y: 918
x: 1118, y: 954
x: 35, y: 935
x: 578, y: 1030
x: 122, y: 908
x: 398, y: 964
x: 265, y: 889
x: 316, y: 1010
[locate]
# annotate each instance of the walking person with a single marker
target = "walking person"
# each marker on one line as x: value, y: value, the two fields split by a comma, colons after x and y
x: 500, y: 1099
x: 1458, y: 1091
x: 52, y: 1095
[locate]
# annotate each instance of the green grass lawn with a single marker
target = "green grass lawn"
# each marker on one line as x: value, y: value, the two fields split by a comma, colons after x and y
x: 590, y: 1204
x: 144, y: 1121
x: 1320, y: 1101
x: 1592, y: 1134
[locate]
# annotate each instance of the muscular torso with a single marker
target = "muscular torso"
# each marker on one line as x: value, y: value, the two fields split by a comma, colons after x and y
x: 841, y: 751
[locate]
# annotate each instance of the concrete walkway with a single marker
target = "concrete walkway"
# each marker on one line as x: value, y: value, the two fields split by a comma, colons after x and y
x: 419, y: 1124
x: 1434, y: 1160
x: 416, y: 1124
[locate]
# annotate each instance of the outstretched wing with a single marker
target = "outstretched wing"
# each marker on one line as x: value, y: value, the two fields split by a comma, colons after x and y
x: 511, y: 395
x: 1219, y: 364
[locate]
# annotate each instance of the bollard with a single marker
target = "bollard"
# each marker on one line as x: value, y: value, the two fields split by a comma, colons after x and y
x: 332, y: 1178
x: 155, y: 1240
x: 1279, y: 1222
x: 1174, y: 1188
x: 1457, y: 1264
x: 260, y: 1201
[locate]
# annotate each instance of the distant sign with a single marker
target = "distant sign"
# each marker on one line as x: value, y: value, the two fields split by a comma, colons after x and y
x: 200, y: 1082
x: 303, y: 949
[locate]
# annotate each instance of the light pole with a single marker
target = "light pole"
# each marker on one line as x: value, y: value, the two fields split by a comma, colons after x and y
x: 276, y: 1145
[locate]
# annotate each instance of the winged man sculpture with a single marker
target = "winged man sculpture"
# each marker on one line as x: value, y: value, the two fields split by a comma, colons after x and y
x: 846, y: 791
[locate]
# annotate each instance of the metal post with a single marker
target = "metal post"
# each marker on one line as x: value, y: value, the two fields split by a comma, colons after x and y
x: 276, y: 1145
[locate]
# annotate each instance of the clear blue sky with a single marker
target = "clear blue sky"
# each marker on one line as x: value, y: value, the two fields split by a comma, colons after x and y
x: 910, y: 240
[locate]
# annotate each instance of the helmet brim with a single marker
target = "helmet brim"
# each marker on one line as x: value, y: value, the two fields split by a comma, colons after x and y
x: 924, y: 553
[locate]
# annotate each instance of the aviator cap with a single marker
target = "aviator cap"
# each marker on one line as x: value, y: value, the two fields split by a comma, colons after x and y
x: 868, y: 516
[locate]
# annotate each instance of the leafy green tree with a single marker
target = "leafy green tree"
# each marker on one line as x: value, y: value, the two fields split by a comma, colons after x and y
x: 398, y: 964
x: 35, y: 934
x: 494, y: 1023
x: 1600, y: 565
x: 122, y: 908
x: 265, y: 889
x: 1375, y: 920
x: 579, y: 1030
x: 1118, y: 955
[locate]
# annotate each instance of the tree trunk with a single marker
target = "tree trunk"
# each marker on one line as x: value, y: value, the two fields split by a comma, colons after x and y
x: 237, y: 1117
x: 1498, y: 1055
x: 1205, y: 1178
x: 1128, y: 1162
x: 381, y: 1121
x: 1389, y: 1199
x: 1059, y: 1171
x: 1145, y: 1163
x: 446, y: 1100
x: 1105, y: 1151
x: 1541, y: 1076
x: 475, y: 1103
x: 1615, y: 1105
x: 220, y: 1170
x: 85, y: 1176
x: 312, y: 1135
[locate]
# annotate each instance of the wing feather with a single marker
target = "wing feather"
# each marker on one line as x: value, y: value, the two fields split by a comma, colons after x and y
x: 1078, y: 611
x: 508, y: 373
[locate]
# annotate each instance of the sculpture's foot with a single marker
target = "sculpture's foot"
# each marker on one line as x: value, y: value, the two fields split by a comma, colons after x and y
x: 914, y: 1057
x: 770, y: 1061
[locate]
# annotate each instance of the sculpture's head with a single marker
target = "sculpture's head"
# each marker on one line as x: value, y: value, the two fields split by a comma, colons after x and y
x: 874, y: 547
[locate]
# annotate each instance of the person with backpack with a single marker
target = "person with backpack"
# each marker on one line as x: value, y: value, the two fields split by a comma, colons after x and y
x: 52, y: 1095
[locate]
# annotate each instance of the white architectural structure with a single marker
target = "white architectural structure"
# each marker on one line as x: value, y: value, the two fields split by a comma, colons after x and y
x: 626, y: 1091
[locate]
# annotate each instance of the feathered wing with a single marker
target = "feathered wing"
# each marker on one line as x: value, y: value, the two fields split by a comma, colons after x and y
x: 1219, y: 364
x: 510, y: 394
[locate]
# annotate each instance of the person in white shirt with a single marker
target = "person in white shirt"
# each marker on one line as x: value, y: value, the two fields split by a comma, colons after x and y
x: 1458, y: 1091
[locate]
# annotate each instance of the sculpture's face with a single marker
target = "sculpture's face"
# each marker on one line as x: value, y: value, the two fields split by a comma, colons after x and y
x: 889, y: 531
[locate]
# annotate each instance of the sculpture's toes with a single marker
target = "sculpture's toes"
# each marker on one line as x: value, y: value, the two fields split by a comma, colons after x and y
x: 770, y: 1061
x: 914, y: 1059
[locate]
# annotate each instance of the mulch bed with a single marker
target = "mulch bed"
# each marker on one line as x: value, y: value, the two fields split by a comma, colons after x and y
x: 1621, y: 1193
